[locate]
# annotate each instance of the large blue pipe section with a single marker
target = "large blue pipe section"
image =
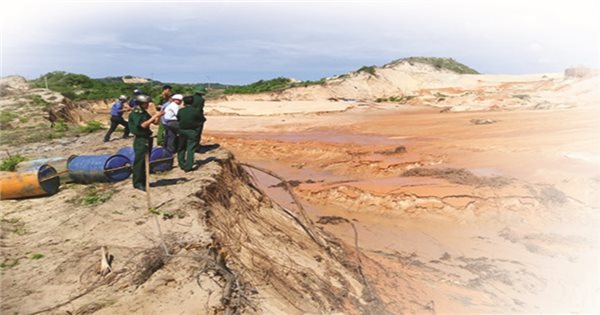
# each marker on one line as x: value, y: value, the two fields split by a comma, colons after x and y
x: 99, y: 168
x: 160, y: 159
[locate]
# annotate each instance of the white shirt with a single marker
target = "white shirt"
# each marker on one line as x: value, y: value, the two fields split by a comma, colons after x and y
x: 171, y: 109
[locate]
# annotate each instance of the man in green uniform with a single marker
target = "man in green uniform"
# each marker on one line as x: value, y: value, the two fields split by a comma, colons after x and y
x: 190, y: 120
x: 139, y: 125
x: 198, y: 103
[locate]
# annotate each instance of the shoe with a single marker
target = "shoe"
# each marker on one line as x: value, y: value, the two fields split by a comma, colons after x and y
x: 126, y: 137
x: 106, y: 140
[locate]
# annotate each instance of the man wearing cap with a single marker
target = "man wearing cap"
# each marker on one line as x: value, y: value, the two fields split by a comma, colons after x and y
x: 116, y: 118
x: 198, y: 103
x: 139, y: 124
x: 170, y: 123
x: 189, y: 119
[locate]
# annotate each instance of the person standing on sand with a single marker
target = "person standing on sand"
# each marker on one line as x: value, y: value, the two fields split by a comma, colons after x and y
x: 198, y: 103
x: 161, y: 101
x: 139, y: 124
x: 116, y: 118
x: 169, y: 121
x: 189, y: 119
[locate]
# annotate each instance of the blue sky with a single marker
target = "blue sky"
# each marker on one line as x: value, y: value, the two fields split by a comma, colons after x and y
x: 244, y: 41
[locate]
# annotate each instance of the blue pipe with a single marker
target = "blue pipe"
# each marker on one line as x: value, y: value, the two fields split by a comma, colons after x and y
x: 160, y: 159
x: 99, y: 168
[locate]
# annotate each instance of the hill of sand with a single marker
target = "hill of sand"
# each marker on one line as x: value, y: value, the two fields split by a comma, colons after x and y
x: 417, y: 83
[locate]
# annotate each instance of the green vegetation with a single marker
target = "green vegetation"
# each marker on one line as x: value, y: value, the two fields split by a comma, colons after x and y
x: 9, y: 263
x: 60, y: 126
x: 403, y: 99
x: 82, y: 87
x: 276, y: 84
x: 96, y: 195
x: 37, y: 256
x: 166, y: 214
x: 368, y: 69
x: 39, y: 101
x: 441, y: 63
x: 273, y: 85
x: 91, y: 126
x: 11, y: 162
x: 7, y: 116
x: 14, y: 225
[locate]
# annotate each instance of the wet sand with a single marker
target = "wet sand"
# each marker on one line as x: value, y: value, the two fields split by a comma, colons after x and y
x: 498, y: 218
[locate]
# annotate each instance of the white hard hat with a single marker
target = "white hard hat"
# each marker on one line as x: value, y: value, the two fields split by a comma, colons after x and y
x: 177, y: 97
x: 122, y: 97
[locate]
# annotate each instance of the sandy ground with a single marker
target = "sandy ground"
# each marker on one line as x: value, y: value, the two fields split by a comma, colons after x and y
x: 206, y: 231
x: 456, y: 212
x: 478, y: 195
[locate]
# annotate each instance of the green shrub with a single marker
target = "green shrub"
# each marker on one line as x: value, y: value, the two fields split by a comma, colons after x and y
x: 91, y: 126
x: 368, y: 69
x: 7, y: 116
x: 81, y: 87
x: 11, y: 162
x: 54, y: 135
x: 37, y: 256
x: 39, y: 101
x: 402, y: 99
x: 441, y: 63
x: 60, y: 126
x: 261, y: 86
x: 9, y: 263
x: 309, y: 83
x: 95, y: 196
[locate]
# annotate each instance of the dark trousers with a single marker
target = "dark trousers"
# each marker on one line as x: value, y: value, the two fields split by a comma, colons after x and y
x: 141, y: 147
x: 114, y: 122
x: 171, y: 132
x: 188, y: 142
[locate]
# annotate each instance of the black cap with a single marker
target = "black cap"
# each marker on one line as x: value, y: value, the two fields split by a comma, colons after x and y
x: 188, y: 100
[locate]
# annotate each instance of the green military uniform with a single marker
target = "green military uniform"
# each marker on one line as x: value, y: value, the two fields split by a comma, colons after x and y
x: 160, y: 134
x: 198, y: 103
x: 190, y: 120
x: 142, y: 145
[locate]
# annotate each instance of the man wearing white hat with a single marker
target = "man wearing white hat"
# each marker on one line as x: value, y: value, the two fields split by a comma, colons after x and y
x: 171, y: 124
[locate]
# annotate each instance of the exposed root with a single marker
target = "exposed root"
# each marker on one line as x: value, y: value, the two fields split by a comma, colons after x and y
x: 305, y: 223
x: 236, y: 295
x: 152, y: 261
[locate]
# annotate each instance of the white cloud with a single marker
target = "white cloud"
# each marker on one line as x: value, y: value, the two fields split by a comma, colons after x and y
x: 257, y: 37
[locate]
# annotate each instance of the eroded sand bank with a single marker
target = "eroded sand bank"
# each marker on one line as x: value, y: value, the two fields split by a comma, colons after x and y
x: 453, y: 215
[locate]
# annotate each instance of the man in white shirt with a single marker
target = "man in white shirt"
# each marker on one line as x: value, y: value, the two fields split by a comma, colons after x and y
x: 170, y: 122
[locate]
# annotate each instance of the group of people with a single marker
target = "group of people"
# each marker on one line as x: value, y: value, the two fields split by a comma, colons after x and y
x: 180, y: 119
